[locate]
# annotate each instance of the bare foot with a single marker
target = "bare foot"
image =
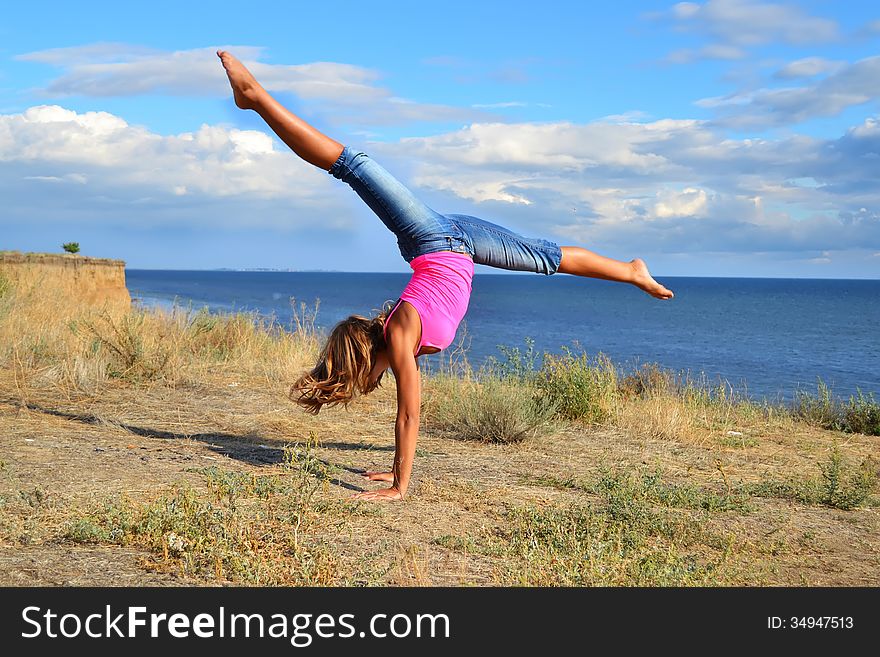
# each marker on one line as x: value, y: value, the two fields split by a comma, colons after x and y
x: 378, y: 476
x: 645, y: 281
x: 245, y: 88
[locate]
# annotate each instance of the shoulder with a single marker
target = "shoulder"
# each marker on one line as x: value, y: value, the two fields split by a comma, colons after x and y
x: 404, y: 319
x: 403, y: 330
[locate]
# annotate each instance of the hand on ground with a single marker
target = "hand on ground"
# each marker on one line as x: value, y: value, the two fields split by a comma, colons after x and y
x: 381, y: 495
x: 375, y: 475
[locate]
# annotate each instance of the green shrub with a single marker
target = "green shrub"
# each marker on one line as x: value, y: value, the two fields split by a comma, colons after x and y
x: 821, y: 410
x: 841, y: 485
x: 806, y: 491
x: 85, y: 530
x: 843, y: 488
x: 580, y: 387
x: 646, y: 380
x: 489, y: 410
x: 71, y: 247
x: 516, y: 364
x: 862, y: 415
x: 651, y: 487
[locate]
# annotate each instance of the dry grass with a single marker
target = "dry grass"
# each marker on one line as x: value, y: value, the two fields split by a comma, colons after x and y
x: 255, y: 530
x: 580, y: 389
x: 80, y: 349
x: 159, y: 447
x: 489, y: 410
x: 658, y: 416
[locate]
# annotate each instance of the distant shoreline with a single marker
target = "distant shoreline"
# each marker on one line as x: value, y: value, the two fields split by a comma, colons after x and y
x: 479, y: 272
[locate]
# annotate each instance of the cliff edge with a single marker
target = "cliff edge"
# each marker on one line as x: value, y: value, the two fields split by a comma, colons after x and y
x: 80, y: 279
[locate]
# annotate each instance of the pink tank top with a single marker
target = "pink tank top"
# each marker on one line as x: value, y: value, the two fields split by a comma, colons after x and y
x: 439, y: 290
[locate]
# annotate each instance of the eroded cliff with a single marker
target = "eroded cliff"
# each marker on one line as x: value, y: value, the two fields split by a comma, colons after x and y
x: 98, y: 282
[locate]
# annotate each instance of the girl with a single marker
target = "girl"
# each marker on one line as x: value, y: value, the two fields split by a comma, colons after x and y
x: 441, y: 249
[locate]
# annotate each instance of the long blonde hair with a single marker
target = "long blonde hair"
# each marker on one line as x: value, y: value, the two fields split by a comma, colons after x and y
x: 345, y: 363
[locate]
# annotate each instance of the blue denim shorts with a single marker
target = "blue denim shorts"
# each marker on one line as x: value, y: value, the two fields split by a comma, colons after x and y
x: 421, y: 230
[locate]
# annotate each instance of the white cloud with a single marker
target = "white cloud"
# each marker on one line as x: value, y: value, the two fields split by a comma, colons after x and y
x: 713, y: 51
x: 501, y: 105
x: 685, y: 10
x: 751, y: 22
x: 555, y: 146
x: 109, y: 160
x: 689, y: 202
x: 92, y: 53
x: 77, y: 178
x: 731, y: 26
x: 676, y: 186
x: 808, y: 67
x: 848, y: 86
x: 477, y: 187
x: 106, y: 70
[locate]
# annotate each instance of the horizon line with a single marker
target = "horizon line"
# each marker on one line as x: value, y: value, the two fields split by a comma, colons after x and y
x: 263, y: 270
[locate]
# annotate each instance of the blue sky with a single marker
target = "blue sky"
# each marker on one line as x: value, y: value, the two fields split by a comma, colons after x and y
x: 727, y: 137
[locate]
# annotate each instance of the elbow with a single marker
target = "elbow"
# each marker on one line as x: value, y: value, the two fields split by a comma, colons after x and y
x: 408, y: 419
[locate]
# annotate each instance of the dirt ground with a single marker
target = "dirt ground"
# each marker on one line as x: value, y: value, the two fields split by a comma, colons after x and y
x: 61, y: 454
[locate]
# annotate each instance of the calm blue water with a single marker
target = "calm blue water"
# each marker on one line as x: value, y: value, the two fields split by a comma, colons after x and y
x: 768, y: 337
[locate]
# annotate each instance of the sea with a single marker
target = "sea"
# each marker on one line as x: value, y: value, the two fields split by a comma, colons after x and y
x: 767, y: 338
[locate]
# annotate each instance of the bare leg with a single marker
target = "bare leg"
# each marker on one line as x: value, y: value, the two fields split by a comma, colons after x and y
x: 317, y: 148
x: 304, y: 140
x: 580, y: 262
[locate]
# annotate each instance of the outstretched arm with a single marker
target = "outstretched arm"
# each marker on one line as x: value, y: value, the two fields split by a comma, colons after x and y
x: 406, y: 426
x: 306, y: 141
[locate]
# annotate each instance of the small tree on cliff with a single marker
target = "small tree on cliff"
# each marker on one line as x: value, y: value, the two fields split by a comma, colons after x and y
x: 71, y: 247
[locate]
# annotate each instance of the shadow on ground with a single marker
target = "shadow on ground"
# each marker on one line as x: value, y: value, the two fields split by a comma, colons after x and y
x: 246, y: 449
